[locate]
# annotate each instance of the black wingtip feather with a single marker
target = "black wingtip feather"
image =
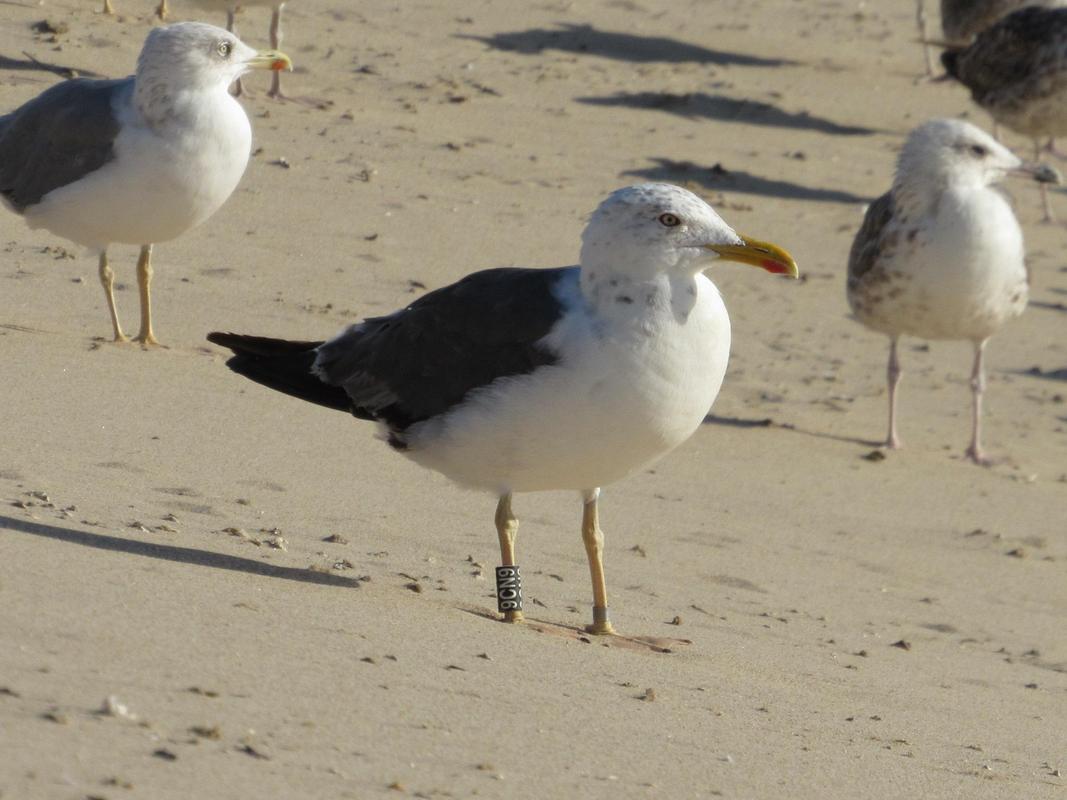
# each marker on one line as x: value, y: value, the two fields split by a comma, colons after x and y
x: 282, y: 365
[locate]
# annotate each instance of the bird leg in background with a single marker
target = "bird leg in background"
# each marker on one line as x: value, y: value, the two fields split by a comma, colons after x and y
x: 1045, y: 204
x: 974, y: 452
x: 161, y: 10
x: 107, y: 280
x: 594, y: 550
x: 108, y: 8
x: 231, y: 26
x: 893, y: 371
x: 275, y: 43
x: 920, y: 18
x: 144, y: 283
x: 507, y: 528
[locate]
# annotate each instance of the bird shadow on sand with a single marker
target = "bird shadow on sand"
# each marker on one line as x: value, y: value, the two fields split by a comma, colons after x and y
x: 31, y: 64
x: 587, y: 40
x: 182, y: 555
x: 1048, y: 306
x: 700, y: 105
x: 720, y: 179
x: 655, y: 644
x: 1044, y: 374
x: 767, y: 422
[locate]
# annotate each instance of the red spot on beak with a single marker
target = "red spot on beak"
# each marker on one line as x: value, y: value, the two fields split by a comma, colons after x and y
x: 278, y: 65
x: 774, y: 266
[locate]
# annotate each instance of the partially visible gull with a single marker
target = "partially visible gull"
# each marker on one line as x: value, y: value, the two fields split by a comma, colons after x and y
x: 231, y: 7
x: 940, y: 256
x: 137, y: 160
x: 527, y: 380
x: 1017, y: 71
x: 962, y: 20
x: 161, y: 10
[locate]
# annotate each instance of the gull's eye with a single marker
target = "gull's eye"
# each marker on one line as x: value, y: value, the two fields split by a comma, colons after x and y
x: 669, y: 220
x: 979, y: 151
x: 224, y: 48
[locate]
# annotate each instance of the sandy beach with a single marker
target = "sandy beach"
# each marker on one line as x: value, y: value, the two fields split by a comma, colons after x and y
x: 278, y: 606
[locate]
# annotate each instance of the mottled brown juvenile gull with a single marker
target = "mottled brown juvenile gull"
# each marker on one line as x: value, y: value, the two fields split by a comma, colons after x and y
x: 527, y: 380
x: 1017, y: 71
x: 962, y: 20
x: 138, y: 160
x: 940, y: 256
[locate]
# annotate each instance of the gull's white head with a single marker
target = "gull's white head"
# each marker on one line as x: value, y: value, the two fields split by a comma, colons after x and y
x: 944, y: 152
x: 657, y: 228
x: 197, y: 56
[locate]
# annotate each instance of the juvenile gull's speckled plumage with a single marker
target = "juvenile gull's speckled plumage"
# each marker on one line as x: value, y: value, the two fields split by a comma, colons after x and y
x: 1017, y: 71
x: 138, y: 160
x: 962, y: 20
x: 940, y: 256
x: 523, y: 380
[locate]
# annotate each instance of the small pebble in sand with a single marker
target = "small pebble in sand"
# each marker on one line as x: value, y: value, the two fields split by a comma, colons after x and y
x: 901, y: 644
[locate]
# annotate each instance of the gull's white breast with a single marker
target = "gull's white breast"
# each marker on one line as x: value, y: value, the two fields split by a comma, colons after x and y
x: 626, y: 390
x: 162, y: 181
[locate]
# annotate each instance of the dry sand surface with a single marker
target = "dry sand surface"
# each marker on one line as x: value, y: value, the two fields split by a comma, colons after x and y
x: 854, y: 628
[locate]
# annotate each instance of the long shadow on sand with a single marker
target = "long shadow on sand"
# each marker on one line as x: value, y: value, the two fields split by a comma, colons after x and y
x: 700, y: 105
x: 31, y: 64
x: 767, y: 422
x: 587, y: 40
x: 723, y: 180
x: 167, y: 552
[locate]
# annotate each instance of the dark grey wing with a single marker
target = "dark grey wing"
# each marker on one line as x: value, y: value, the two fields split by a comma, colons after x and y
x: 869, y: 241
x: 61, y: 135
x: 424, y: 359
x: 1022, y: 45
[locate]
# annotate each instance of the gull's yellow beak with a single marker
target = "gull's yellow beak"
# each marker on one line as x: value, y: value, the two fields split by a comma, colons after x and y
x: 758, y: 254
x: 274, y: 60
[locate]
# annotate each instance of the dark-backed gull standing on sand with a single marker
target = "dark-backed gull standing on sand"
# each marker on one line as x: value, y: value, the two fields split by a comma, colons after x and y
x: 526, y: 380
x: 231, y: 7
x: 138, y: 160
x: 1017, y: 71
x: 940, y: 256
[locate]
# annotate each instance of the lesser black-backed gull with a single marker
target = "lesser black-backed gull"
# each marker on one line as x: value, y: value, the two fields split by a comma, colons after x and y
x: 940, y: 256
x: 138, y: 160
x: 1017, y: 71
x: 525, y: 380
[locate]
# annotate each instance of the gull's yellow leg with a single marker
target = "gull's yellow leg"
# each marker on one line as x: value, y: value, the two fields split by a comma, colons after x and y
x: 162, y: 11
x: 108, y: 8
x: 107, y: 279
x: 144, y: 283
x: 507, y: 528
x: 276, y: 43
x: 594, y: 550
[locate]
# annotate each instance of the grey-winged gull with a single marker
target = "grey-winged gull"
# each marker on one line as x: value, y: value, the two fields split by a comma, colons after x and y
x: 231, y: 7
x: 526, y: 380
x: 1017, y: 71
x: 940, y: 256
x: 138, y: 160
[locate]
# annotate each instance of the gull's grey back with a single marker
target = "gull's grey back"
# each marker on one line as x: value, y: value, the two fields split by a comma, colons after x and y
x: 60, y: 136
